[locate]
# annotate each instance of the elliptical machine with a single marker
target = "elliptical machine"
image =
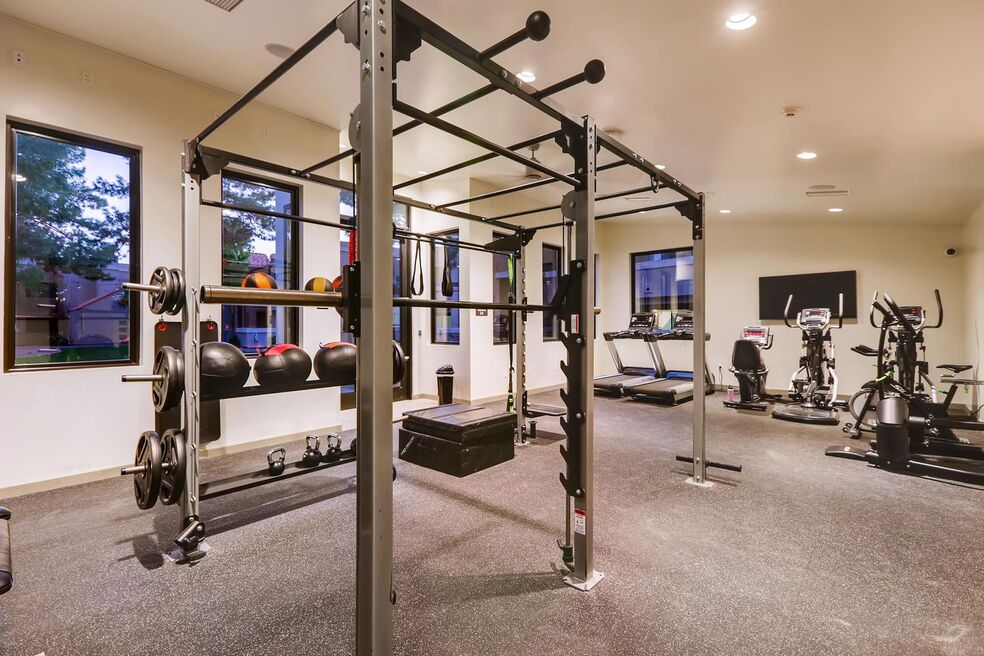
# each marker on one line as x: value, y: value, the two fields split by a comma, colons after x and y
x: 814, y: 385
x: 749, y: 368
x: 909, y: 434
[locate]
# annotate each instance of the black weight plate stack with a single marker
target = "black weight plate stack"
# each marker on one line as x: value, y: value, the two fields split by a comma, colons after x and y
x: 166, y: 392
x: 174, y: 458
x: 147, y: 483
x: 176, y: 295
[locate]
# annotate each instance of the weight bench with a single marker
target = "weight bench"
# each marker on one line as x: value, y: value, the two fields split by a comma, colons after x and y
x: 6, y: 570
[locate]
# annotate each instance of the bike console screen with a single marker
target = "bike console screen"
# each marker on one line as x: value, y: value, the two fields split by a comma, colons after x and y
x: 814, y: 318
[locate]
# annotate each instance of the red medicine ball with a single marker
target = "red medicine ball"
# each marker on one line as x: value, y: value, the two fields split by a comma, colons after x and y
x: 335, y: 363
x: 282, y: 365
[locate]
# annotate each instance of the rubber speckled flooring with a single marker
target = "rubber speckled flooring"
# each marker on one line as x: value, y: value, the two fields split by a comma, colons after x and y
x: 800, y: 554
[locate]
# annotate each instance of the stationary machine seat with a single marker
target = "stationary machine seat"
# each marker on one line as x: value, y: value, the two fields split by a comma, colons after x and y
x: 955, y: 368
x: 458, y: 439
x: 747, y: 356
x: 6, y: 569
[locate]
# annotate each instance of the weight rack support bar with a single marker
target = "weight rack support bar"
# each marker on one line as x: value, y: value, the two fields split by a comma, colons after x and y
x: 224, y: 486
x: 471, y: 137
x: 270, y: 78
x: 525, y: 186
x: 639, y: 210
x: 549, y: 208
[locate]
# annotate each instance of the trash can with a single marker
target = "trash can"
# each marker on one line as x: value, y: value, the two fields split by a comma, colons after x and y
x: 445, y: 384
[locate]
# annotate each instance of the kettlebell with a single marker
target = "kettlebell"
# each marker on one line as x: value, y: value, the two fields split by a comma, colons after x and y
x: 275, y: 460
x: 333, y: 449
x: 352, y: 445
x: 312, y: 454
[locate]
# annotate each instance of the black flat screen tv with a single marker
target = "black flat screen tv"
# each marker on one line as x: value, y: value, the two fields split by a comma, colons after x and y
x: 809, y: 290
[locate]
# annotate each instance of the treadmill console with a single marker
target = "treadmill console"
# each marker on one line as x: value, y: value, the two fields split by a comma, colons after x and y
x: 757, y: 334
x: 683, y: 323
x: 642, y: 321
x: 814, y: 318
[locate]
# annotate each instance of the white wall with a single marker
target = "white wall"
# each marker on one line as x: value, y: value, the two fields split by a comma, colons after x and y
x: 907, y: 262
x: 96, y: 419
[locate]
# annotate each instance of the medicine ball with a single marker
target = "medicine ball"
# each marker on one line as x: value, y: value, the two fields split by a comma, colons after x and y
x: 282, y: 365
x: 335, y: 363
x: 224, y: 368
x: 261, y: 280
x: 319, y: 284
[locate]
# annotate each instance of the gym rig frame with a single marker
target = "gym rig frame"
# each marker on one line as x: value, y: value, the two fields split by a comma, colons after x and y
x: 387, y: 32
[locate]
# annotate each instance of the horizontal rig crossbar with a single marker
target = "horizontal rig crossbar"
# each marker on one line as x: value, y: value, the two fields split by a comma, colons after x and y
x: 632, y: 158
x: 638, y: 210
x: 218, y: 295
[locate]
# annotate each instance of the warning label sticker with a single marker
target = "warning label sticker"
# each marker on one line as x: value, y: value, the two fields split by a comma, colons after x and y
x: 580, y: 521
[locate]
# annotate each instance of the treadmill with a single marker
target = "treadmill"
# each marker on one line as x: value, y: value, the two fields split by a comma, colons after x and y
x: 671, y: 387
x: 641, y: 326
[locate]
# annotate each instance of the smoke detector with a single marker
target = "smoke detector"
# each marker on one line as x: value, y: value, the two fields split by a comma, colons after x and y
x: 228, y: 5
x: 791, y: 111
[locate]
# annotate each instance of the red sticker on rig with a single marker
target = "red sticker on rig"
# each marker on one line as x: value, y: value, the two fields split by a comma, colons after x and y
x: 580, y: 521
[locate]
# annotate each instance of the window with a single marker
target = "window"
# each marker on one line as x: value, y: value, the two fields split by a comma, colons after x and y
x: 503, y: 291
x: 401, y: 316
x: 73, y: 217
x: 257, y: 244
x: 663, y: 280
x: 445, y: 322
x: 551, y: 281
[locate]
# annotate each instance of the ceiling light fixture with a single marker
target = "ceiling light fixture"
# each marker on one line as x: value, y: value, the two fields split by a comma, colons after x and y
x: 836, y: 210
x: 279, y: 50
x: 422, y: 172
x: 18, y: 177
x: 741, y: 21
x: 661, y: 166
x: 807, y: 154
x: 526, y: 76
x: 725, y: 211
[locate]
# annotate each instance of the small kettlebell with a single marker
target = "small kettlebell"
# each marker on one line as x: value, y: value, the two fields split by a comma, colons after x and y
x: 275, y: 460
x: 333, y: 450
x: 352, y: 445
x: 312, y: 454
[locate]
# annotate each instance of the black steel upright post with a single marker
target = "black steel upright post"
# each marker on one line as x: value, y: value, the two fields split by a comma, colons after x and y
x: 374, y: 561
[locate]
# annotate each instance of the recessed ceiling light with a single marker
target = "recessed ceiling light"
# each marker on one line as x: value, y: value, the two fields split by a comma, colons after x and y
x: 807, y: 154
x: 526, y: 76
x: 741, y: 21
x: 422, y: 172
x: 836, y: 210
x: 279, y: 50
x: 18, y: 177
x: 661, y: 166
x: 725, y: 211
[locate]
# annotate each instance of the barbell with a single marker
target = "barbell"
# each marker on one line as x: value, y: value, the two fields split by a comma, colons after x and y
x: 165, y: 291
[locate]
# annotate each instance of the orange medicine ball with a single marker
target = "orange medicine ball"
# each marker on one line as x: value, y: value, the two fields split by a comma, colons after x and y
x: 260, y: 280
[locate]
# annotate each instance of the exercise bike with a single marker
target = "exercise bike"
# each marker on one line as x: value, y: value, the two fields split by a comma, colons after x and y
x: 749, y: 368
x: 909, y: 437
x: 814, y: 385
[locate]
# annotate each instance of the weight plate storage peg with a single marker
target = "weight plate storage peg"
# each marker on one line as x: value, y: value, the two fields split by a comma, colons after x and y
x: 147, y: 470
x: 174, y: 460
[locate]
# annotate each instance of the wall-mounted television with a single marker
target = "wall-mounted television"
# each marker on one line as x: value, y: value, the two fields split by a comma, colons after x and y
x: 809, y: 290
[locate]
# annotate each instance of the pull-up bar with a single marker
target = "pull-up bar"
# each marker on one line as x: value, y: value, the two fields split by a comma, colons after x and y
x: 551, y: 208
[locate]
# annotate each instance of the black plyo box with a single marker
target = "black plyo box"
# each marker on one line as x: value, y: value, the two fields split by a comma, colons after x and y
x: 457, y: 439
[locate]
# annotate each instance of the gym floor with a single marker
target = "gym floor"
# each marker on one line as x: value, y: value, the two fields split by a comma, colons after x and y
x: 800, y: 554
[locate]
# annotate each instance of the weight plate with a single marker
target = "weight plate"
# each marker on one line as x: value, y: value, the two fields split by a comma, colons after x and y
x: 177, y: 298
x: 174, y: 459
x: 157, y: 300
x: 166, y: 392
x: 147, y: 483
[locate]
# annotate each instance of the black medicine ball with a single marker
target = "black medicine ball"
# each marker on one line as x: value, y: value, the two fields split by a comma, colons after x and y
x: 282, y: 365
x: 335, y: 363
x: 224, y: 368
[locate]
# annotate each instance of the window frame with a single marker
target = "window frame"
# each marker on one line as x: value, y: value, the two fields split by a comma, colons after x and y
x: 297, y: 234
x: 543, y: 279
x: 135, y: 155
x: 632, y: 274
x: 435, y: 284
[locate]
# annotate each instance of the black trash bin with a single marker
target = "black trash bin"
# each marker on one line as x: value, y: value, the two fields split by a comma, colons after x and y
x: 445, y: 384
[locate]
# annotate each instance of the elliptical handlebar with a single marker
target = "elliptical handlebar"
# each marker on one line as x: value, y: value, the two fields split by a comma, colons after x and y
x: 899, y: 315
x: 840, y: 310
x: 785, y: 313
x: 939, y: 309
x: 871, y: 313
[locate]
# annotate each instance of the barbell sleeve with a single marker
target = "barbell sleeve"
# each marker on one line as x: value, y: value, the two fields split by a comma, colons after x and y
x: 140, y: 287
x: 133, y: 469
x: 142, y: 378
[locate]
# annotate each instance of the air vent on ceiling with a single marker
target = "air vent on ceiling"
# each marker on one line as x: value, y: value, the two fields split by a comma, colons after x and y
x: 228, y: 5
x: 826, y: 193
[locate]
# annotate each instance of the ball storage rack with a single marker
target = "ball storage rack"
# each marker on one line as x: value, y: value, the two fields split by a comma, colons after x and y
x: 386, y: 33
